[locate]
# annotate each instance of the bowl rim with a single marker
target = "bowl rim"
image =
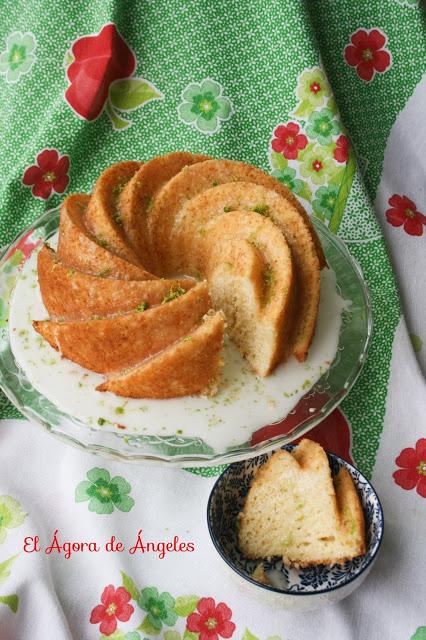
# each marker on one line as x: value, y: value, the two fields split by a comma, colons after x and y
x: 288, y: 592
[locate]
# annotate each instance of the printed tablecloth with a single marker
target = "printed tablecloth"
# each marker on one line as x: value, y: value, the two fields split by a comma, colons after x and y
x: 330, y: 98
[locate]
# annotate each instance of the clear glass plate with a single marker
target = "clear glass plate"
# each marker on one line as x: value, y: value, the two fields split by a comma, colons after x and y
x: 318, y: 402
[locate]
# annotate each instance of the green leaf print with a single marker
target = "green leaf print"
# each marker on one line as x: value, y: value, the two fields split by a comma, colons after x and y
x: 15, y: 259
x: 122, y: 635
x: 278, y: 161
x: 10, y: 601
x: 147, y: 627
x: 3, y: 313
x: 190, y: 635
x: 185, y: 605
x: 130, y: 93
x: 171, y: 635
x: 11, y: 515
x: 118, y: 122
x: 420, y: 634
x: 104, y: 493
x: 5, y: 568
x: 345, y: 187
x: 117, y: 635
x: 417, y: 342
x: 249, y: 636
x: 304, y: 191
x: 303, y: 110
x: 130, y: 586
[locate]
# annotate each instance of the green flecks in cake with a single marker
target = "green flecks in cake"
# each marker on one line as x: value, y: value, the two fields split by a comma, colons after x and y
x: 175, y: 292
x: 263, y: 209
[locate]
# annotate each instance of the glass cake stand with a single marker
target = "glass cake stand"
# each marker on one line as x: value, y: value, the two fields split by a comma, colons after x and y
x: 314, y: 406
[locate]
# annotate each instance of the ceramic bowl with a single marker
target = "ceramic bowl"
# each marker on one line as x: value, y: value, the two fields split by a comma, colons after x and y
x: 295, y: 589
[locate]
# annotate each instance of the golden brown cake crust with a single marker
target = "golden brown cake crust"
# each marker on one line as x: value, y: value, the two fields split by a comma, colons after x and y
x: 69, y: 294
x: 194, y: 179
x: 102, y: 216
x: 190, y: 366
x: 137, y: 195
x: 78, y: 248
x: 262, y: 261
x: 113, y: 343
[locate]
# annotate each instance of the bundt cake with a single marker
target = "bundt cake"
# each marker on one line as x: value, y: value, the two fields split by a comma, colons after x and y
x: 236, y: 230
x: 70, y: 294
x: 189, y: 366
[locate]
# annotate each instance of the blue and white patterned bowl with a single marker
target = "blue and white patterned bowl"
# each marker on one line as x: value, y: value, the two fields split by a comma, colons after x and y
x: 296, y: 589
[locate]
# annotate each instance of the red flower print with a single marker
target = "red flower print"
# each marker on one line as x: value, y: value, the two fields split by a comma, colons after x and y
x: 288, y: 140
x: 211, y: 621
x: 413, y: 471
x: 26, y: 245
x: 341, y: 151
x: 50, y: 173
x: 114, y: 607
x: 367, y: 53
x: 403, y: 211
x: 333, y: 433
x: 98, y: 60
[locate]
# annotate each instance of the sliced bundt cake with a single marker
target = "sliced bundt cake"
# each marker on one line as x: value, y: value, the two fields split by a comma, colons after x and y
x: 194, y: 216
x: 192, y: 365
x: 179, y: 214
x: 81, y: 250
x: 112, y: 343
x: 259, y: 327
x: 69, y: 294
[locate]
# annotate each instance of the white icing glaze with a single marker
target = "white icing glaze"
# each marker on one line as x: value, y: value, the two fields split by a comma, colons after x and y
x: 244, y: 402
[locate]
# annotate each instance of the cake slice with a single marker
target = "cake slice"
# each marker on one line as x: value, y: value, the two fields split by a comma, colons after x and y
x: 69, y: 294
x: 296, y: 510
x: 102, y: 216
x: 209, y: 204
x: 260, y: 324
x: 190, y: 366
x: 199, y: 177
x: 112, y: 343
x: 81, y: 250
x: 137, y: 196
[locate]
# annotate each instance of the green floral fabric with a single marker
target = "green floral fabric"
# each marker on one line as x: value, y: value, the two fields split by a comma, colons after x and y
x: 278, y: 85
